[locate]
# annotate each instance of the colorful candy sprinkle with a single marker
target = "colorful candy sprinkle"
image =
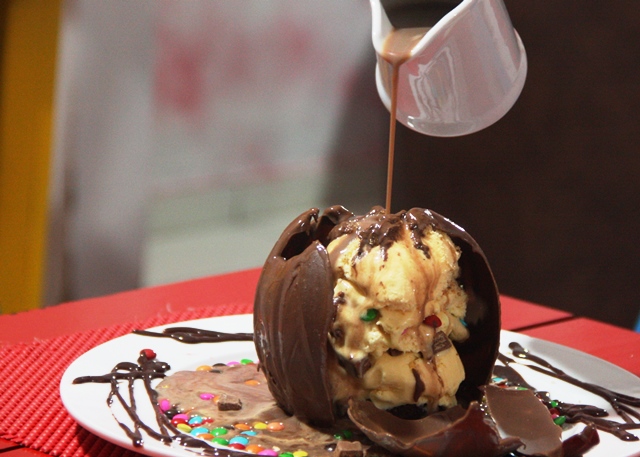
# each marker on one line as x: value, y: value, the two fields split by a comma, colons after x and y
x: 560, y: 420
x: 249, y: 433
x: 165, y: 405
x: 219, y: 431
x: 148, y: 353
x: 275, y: 426
x: 259, y: 425
x: 432, y: 321
x: 300, y: 453
x: 246, y: 362
x: 220, y: 441
x: 195, y: 420
x: 183, y: 427
x: 206, y: 396
x: 268, y: 452
x: 252, y: 382
x: 238, y: 446
x: 369, y: 315
x: 254, y: 448
x: 199, y: 430
x: 239, y: 439
x: 204, y: 368
x: 241, y: 426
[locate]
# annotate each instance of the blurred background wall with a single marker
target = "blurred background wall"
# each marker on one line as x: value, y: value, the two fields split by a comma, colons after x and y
x: 551, y: 191
x: 189, y: 133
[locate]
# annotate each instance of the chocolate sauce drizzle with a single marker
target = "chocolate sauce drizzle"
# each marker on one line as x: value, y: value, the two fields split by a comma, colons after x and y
x: 192, y: 335
x: 148, y: 368
x: 588, y: 414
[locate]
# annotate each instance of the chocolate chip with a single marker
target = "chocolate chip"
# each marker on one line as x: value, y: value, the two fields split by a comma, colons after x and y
x: 394, y: 352
x: 338, y: 335
x: 440, y: 342
x: 355, y: 368
x: 419, y: 388
x: 349, y: 449
x: 228, y: 402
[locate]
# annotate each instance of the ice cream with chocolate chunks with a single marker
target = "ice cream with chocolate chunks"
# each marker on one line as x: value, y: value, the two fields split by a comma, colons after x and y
x: 399, y: 309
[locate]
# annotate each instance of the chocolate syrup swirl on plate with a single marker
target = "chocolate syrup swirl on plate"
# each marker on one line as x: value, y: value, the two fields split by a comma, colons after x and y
x: 148, y: 368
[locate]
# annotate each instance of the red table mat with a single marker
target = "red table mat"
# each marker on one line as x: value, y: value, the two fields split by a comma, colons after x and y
x: 31, y: 411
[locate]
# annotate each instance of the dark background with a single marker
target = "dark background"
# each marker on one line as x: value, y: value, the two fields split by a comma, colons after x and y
x: 551, y: 190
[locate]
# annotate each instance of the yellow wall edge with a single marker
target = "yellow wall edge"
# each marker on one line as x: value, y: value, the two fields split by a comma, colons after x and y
x: 28, y: 50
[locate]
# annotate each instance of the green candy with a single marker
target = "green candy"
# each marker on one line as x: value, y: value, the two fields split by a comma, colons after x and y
x: 369, y: 315
x: 560, y: 420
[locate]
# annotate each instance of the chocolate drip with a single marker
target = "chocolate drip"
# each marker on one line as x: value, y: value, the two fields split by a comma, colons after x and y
x: 620, y: 403
x: 146, y: 370
x: 193, y: 335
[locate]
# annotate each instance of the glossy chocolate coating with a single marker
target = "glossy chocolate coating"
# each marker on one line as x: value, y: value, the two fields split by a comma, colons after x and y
x: 294, y: 309
x: 455, y: 432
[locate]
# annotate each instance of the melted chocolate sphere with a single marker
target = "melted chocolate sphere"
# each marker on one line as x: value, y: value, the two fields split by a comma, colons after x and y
x: 294, y: 310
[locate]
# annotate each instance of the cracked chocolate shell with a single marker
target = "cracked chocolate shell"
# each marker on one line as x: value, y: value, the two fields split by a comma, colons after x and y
x: 294, y: 312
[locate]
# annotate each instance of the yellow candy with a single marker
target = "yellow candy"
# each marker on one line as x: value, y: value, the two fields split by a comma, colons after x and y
x: 300, y: 453
x: 184, y: 427
x: 261, y: 426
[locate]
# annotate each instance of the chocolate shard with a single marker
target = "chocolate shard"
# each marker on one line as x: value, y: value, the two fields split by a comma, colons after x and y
x: 228, y: 402
x: 293, y: 312
x: 349, y: 449
x: 455, y: 432
x: 478, y: 352
x: 440, y: 342
x: 580, y: 443
x: 532, y: 424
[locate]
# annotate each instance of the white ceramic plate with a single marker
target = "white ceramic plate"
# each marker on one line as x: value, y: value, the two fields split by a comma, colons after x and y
x: 87, y: 402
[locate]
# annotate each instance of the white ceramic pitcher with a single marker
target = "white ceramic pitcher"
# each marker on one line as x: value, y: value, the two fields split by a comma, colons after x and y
x: 462, y: 76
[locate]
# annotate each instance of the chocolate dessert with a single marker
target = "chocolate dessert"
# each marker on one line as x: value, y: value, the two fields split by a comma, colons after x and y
x: 398, y: 309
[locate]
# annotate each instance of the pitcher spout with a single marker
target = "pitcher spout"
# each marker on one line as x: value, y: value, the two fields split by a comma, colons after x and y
x: 461, y: 74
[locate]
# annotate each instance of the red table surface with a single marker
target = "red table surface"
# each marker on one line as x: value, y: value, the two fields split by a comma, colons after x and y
x: 617, y: 345
x: 614, y: 344
x: 231, y: 288
x: 236, y: 290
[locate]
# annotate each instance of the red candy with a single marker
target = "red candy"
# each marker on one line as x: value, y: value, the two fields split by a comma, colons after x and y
x: 432, y: 321
x: 148, y: 353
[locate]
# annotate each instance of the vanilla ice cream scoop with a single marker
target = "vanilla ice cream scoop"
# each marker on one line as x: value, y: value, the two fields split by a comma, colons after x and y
x: 399, y: 309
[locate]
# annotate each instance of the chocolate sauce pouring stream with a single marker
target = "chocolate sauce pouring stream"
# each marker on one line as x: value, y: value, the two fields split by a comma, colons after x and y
x: 397, y: 50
